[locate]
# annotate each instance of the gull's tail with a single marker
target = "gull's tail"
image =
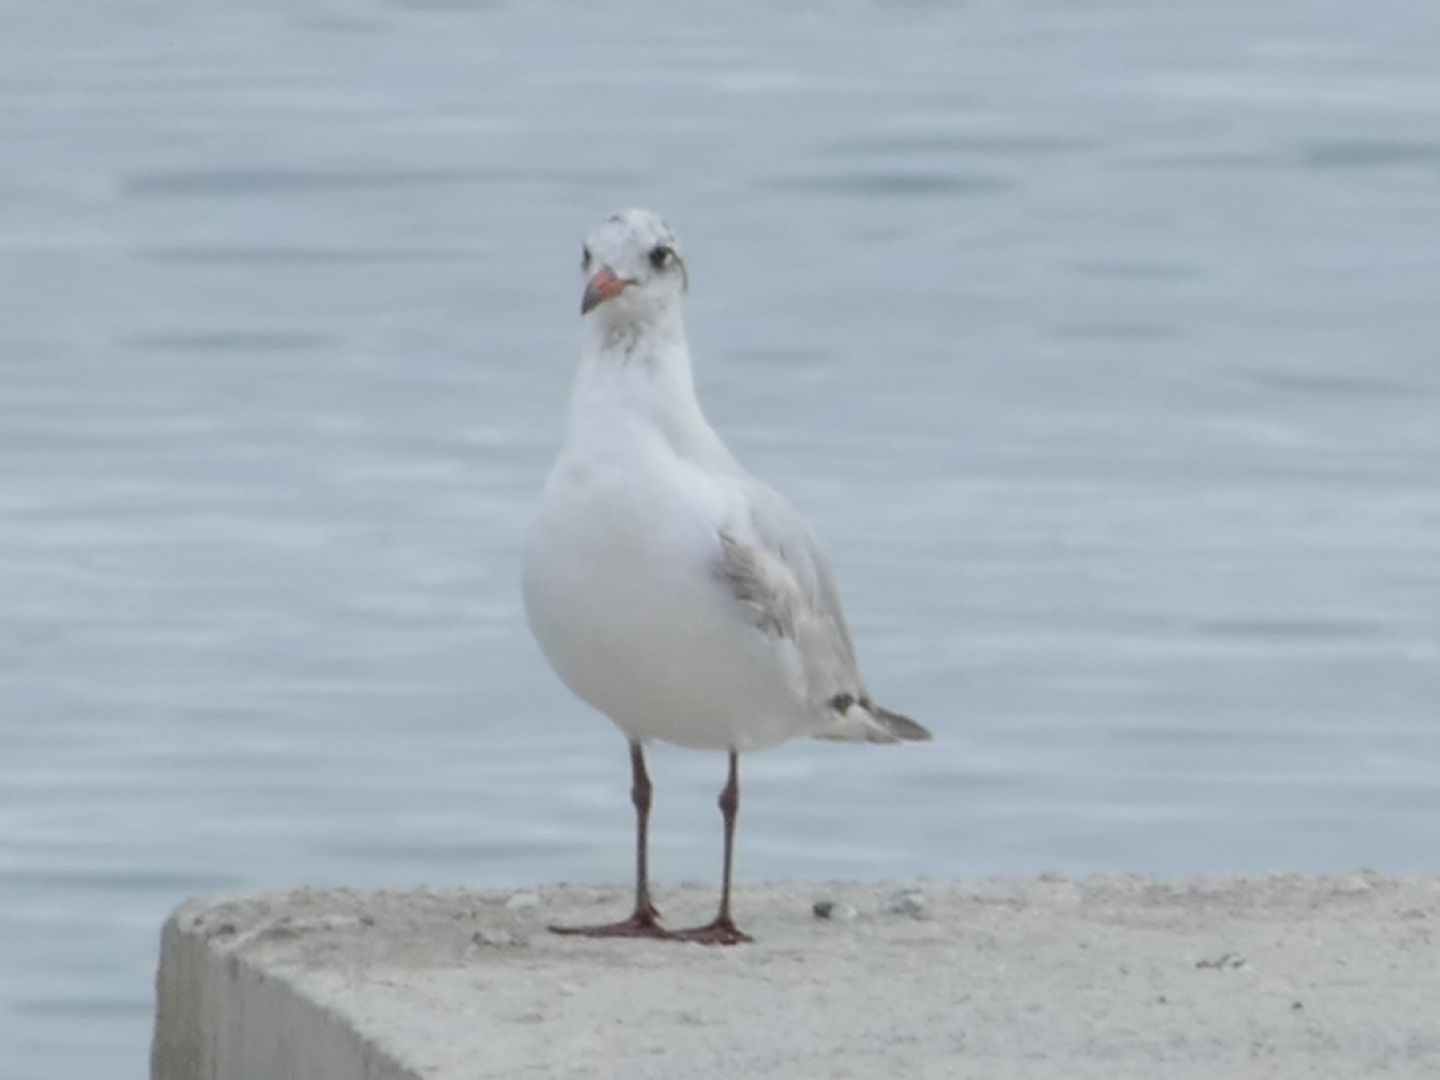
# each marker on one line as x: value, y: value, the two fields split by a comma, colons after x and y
x: 858, y: 719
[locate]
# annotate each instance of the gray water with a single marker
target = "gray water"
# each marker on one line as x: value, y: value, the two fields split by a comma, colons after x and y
x: 1101, y: 345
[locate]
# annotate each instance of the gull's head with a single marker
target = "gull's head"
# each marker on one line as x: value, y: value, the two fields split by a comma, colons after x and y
x: 633, y: 269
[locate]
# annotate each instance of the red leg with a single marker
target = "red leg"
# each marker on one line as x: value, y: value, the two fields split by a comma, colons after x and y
x: 644, y: 921
x: 723, y: 931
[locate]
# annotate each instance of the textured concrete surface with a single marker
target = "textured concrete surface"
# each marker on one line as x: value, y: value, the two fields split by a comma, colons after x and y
x: 1284, y: 977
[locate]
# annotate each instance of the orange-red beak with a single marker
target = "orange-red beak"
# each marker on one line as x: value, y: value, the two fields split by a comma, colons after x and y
x: 600, y: 288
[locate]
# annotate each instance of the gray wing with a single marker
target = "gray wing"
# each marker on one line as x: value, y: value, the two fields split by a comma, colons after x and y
x: 773, y: 565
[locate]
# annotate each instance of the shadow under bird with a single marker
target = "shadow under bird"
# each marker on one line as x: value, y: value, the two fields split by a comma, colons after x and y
x: 668, y: 587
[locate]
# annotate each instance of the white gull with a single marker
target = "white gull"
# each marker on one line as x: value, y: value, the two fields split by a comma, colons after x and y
x: 669, y: 588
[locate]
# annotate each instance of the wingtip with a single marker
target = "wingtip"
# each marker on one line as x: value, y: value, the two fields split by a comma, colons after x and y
x: 901, y: 726
x: 860, y: 720
x: 894, y: 726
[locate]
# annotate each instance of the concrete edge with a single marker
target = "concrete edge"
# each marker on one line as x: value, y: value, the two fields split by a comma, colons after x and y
x: 234, y: 1019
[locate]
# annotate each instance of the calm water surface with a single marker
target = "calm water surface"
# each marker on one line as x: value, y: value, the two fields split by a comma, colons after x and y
x: 1101, y: 346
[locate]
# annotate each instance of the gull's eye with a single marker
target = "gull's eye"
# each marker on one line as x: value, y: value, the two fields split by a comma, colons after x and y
x: 660, y: 256
x: 584, y: 258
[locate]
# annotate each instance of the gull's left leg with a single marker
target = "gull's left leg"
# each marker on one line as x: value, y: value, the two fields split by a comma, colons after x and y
x: 723, y: 930
x: 645, y: 920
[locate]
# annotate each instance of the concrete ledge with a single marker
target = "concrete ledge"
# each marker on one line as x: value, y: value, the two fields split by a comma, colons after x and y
x: 1285, y: 977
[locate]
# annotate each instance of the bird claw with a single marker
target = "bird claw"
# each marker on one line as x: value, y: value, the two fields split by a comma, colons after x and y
x: 643, y: 924
x: 719, y: 932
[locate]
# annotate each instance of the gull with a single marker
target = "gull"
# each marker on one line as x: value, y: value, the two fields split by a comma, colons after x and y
x: 669, y: 588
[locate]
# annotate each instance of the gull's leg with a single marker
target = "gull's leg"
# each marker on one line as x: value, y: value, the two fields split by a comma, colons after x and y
x: 640, y: 789
x: 723, y: 930
x: 645, y: 920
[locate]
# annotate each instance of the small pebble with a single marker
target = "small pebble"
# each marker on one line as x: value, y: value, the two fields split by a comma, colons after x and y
x: 330, y: 922
x: 496, y: 939
x: 1224, y: 962
x: 835, y: 911
x: 908, y: 902
x: 1354, y: 885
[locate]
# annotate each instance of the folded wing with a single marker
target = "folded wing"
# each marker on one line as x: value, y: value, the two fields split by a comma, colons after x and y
x: 773, y: 566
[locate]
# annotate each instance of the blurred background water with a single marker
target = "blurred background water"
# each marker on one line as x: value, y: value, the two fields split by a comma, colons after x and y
x: 1101, y: 343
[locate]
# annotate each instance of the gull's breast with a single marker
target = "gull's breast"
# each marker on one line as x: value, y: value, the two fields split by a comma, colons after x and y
x: 622, y: 595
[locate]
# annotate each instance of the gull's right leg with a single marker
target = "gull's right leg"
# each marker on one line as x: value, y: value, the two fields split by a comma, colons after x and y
x: 722, y: 930
x: 644, y: 922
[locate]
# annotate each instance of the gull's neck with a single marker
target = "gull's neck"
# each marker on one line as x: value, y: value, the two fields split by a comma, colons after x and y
x: 636, y: 377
